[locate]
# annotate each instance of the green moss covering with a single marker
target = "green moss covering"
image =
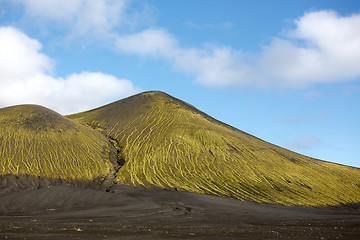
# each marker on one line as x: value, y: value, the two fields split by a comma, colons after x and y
x: 39, y: 142
x: 167, y: 143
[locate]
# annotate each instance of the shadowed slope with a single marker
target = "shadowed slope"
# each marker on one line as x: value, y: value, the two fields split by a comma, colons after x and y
x: 36, y: 141
x: 164, y: 142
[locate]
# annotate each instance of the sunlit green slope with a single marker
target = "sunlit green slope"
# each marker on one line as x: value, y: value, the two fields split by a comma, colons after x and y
x: 39, y: 142
x: 167, y: 143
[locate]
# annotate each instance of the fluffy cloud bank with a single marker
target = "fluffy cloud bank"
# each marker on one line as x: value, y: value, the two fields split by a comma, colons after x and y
x: 323, y: 47
x: 81, y: 16
x: 212, y: 65
x: 25, y: 77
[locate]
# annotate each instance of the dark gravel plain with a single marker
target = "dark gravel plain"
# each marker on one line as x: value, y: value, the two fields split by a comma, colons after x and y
x: 69, y: 212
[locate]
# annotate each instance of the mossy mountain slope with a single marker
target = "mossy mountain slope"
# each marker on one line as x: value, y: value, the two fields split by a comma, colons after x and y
x: 39, y: 142
x: 167, y: 143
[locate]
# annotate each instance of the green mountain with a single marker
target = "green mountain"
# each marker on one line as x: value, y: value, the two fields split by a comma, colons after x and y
x: 152, y: 140
x: 163, y: 142
x: 39, y: 142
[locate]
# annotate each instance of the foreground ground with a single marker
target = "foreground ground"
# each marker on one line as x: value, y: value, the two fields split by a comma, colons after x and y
x: 64, y: 212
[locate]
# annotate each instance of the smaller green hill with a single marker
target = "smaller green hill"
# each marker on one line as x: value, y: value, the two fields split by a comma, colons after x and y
x: 36, y: 141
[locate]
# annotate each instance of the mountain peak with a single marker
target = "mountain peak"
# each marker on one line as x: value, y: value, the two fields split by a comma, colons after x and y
x: 153, y: 96
x: 166, y: 143
x: 153, y: 140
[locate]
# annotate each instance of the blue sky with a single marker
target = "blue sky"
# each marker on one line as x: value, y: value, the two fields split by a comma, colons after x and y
x: 285, y: 71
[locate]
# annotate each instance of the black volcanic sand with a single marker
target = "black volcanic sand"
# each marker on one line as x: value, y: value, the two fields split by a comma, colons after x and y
x: 65, y: 212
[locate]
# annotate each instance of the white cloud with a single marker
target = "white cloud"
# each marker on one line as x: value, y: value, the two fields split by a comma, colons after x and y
x: 212, y: 65
x: 20, y: 56
x: 25, y: 78
x: 323, y: 47
x: 150, y: 42
x: 82, y: 17
x: 55, y: 9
